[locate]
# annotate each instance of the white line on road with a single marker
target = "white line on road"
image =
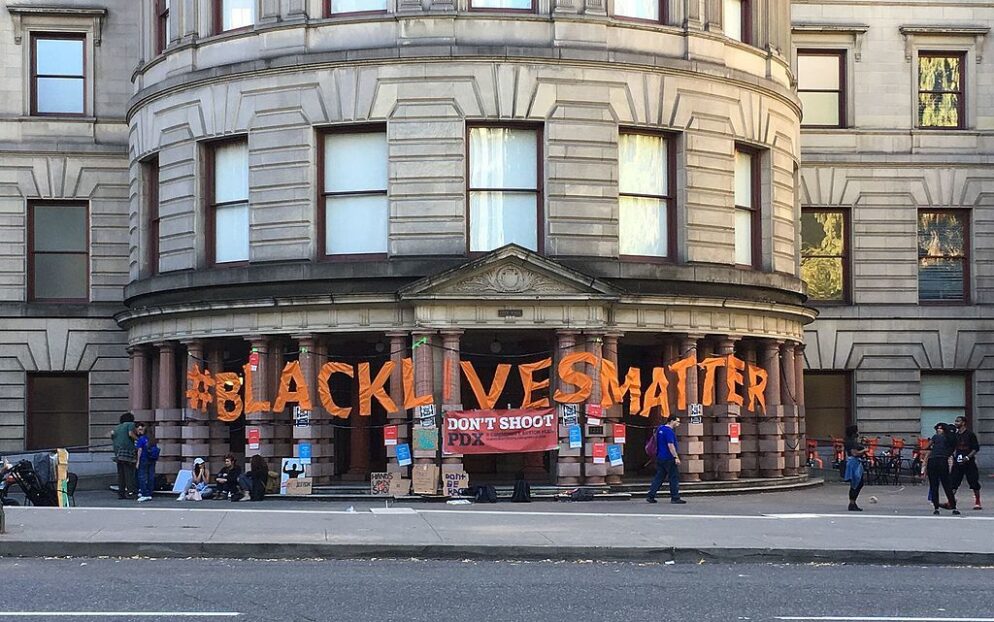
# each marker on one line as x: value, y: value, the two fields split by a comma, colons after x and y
x: 879, y: 619
x: 119, y: 614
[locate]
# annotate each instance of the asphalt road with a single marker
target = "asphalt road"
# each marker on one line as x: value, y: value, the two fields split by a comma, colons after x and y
x: 413, y: 590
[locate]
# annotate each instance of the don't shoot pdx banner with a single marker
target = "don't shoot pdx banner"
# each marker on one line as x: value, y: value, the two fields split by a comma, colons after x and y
x: 499, y: 431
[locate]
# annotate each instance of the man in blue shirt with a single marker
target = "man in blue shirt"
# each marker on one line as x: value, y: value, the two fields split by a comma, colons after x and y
x: 667, y: 461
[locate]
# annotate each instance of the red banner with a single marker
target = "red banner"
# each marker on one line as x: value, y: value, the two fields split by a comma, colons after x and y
x: 500, y: 431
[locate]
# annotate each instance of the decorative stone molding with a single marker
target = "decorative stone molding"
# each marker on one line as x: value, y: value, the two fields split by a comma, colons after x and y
x: 977, y: 33
x: 444, y: 6
x: 566, y: 6
x: 854, y: 31
x: 410, y: 6
x: 595, y: 7
x: 20, y: 13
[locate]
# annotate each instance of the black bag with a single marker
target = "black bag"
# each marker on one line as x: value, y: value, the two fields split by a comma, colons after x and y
x: 581, y: 494
x: 522, y: 492
x: 486, y: 494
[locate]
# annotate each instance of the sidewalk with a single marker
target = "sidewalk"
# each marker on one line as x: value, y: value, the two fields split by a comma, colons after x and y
x: 797, y: 526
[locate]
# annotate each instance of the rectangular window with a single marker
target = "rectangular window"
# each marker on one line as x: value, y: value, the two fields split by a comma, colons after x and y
x: 943, y: 255
x: 648, y: 10
x: 58, y: 74
x: 746, y: 207
x: 504, y: 188
x: 151, y: 176
x: 58, y: 259
x: 644, y: 195
x: 162, y: 34
x: 233, y: 14
x: 944, y: 397
x: 229, y: 209
x: 735, y: 20
x: 507, y: 5
x: 821, y: 87
x: 828, y: 403
x: 339, y: 7
x: 940, y: 90
x: 825, y: 254
x: 58, y: 411
x: 356, y: 208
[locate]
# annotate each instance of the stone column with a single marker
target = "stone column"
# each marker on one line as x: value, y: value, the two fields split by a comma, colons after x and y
x: 593, y: 474
x: 140, y: 383
x: 612, y: 415
x: 188, y: 20
x: 568, y: 462
x: 318, y: 433
x: 398, y: 351
x: 451, y: 390
x: 705, y: 349
x: 725, y: 461
x: 195, y: 432
x: 270, y: 12
x: 692, y: 458
x: 282, y: 420
x: 259, y: 346
x: 220, y: 435
x: 788, y: 391
x: 802, y: 432
x: 771, y: 441
x: 424, y: 381
x: 359, y: 438
x: 168, y: 418
x: 749, y: 421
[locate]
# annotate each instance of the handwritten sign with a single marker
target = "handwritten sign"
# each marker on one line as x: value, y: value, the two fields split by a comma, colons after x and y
x: 379, y: 484
x: 454, y: 482
x: 425, y: 478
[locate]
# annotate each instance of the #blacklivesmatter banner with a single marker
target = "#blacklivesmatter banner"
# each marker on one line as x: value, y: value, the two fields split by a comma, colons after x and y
x: 500, y: 431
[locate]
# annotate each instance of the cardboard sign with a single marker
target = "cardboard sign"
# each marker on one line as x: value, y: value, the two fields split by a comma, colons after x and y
x: 291, y: 469
x: 300, y: 487
x: 599, y: 452
x: 390, y: 435
x: 253, y: 436
x: 404, y: 454
x: 425, y: 478
x: 454, y: 481
x: 399, y: 486
x: 500, y: 431
x: 425, y: 439
x: 426, y: 416
x: 304, y: 451
x: 575, y: 437
x: 734, y: 430
x: 570, y: 413
x: 379, y: 484
x: 614, y: 455
x: 619, y: 433
x: 183, y: 479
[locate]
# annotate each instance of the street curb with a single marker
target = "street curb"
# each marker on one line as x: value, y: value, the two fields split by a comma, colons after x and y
x: 648, y: 554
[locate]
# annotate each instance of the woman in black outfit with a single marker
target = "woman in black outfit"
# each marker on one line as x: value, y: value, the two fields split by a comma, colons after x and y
x: 940, y: 450
x: 854, y: 473
x: 255, y: 479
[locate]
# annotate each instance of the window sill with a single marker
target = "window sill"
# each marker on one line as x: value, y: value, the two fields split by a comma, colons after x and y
x: 61, y: 118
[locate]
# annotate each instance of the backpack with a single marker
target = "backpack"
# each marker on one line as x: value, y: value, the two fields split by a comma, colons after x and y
x: 486, y: 494
x: 581, y: 494
x: 652, y: 445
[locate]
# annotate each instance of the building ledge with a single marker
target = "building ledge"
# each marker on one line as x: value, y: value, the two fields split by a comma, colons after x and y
x: 20, y: 11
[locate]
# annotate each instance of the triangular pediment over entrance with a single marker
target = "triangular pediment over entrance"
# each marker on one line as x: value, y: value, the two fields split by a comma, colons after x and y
x: 510, y: 272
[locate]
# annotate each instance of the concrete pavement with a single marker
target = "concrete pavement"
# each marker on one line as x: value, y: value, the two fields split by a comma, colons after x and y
x: 797, y: 526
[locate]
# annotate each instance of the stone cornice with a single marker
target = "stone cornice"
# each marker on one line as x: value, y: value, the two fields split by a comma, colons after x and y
x: 20, y: 11
x: 977, y: 33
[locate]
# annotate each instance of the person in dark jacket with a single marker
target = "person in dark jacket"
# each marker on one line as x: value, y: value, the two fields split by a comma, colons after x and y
x: 255, y: 479
x: 227, y: 479
x: 940, y: 450
x: 126, y: 456
x: 855, y: 474
x: 965, y: 460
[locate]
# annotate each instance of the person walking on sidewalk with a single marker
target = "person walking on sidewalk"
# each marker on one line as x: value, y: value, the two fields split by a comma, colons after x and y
x: 965, y: 460
x: 940, y: 450
x: 146, y: 469
x: 667, y: 461
x: 855, y: 474
x: 125, y: 455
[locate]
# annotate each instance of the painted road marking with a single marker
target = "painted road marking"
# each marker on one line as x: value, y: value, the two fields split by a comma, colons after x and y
x: 880, y: 619
x: 120, y: 614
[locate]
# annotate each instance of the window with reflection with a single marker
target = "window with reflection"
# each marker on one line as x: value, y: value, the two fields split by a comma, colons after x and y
x: 940, y: 90
x: 504, y: 190
x: 824, y: 254
x: 58, y: 76
x: 746, y: 207
x: 234, y: 14
x: 735, y: 20
x: 644, y: 196
x: 229, y: 208
x: 512, y: 5
x: 356, y: 209
x: 339, y: 7
x: 943, y: 255
x: 944, y: 397
x: 648, y: 10
x: 821, y: 87
x: 59, y: 260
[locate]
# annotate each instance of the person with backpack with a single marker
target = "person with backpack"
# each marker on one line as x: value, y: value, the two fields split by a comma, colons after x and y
x: 854, y: 472
x: 667, y: 460
x: 148, y: 453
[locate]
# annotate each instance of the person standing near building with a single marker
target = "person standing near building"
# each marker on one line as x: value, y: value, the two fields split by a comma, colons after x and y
x: 940, y: 450
x: 125, y: 455
x: 145, y: 469
x: 965, y: 460
x: 667, y: 461
x: 854, y: 472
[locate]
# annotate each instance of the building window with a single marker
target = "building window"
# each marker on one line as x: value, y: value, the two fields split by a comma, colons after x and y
x: 504, y: 189
x: 507, y: 5
x: 944, y: 397
x: 58, y: 412
x: 58, y: 75
x: 735, y: 20
x: 644, y: 195
x: 746, y: 207
x: 162, y: 34
x: 943, y: 256
x: 339, y: 7
x: 151, y: 176
x: 647, y: 10
x: 821, y: 87
x: 233, y: 14
x: 828, y: 404
x: 825, y: 254
x: 940, y: 89
x: 58, y: 266
x: 228, y: 219
x: 356, y: 209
